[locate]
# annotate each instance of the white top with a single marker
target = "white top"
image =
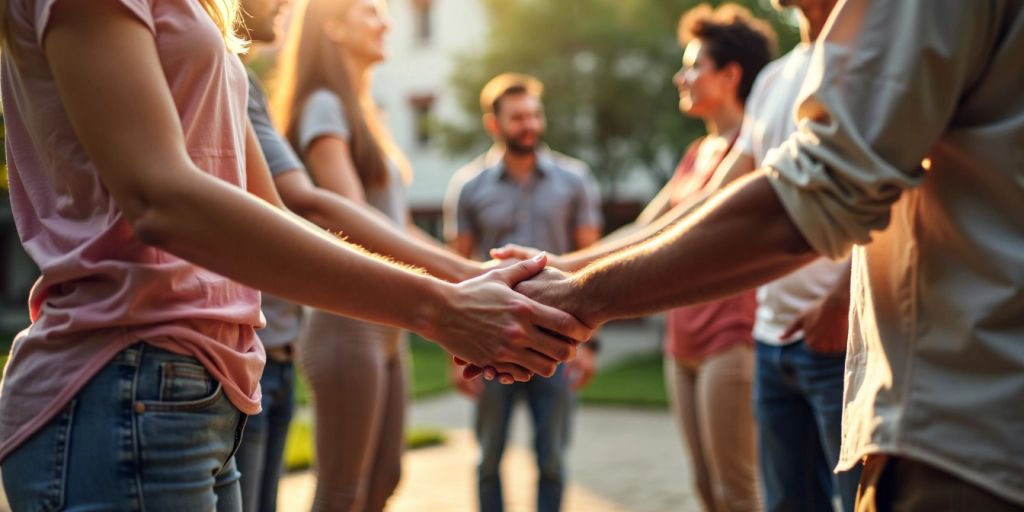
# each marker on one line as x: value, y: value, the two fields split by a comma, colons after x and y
x: 935, y: 363
x: 769, y: 120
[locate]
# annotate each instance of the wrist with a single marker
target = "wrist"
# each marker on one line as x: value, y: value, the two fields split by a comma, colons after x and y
x: 587, y: 309
x: 437, y: 304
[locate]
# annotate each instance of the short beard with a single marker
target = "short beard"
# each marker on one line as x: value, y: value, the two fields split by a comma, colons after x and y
x: 520, y: 149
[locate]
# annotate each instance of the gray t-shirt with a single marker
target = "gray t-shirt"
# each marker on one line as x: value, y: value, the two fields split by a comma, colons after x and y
x: 324, y: 115
x: 284, y: 319
x: 279, y: 154
x: 543, y: 212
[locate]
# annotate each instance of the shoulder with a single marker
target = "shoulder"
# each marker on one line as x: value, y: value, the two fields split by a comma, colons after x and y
x: 767, y: 76
x: 471, y: 176
x: 568, y: 164
x: 323, y: 100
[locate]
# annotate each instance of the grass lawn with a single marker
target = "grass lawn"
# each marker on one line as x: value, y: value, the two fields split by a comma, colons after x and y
x: 637, y: 381
x: 298, y: 450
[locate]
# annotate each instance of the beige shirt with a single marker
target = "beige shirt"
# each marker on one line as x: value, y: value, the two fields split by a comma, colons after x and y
x: 935, y: 367
x: 767, y: 122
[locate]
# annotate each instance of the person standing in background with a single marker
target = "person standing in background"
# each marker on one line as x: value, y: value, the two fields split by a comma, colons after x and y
x: 522, y: 192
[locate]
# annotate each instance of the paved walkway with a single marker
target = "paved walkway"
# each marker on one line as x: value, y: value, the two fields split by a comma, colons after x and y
x: 622, y: 459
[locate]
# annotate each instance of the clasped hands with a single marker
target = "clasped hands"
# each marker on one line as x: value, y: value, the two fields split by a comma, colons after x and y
x: 525, y: 303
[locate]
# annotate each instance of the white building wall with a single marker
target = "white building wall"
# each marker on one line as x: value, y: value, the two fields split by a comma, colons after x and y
x: 414, y: 68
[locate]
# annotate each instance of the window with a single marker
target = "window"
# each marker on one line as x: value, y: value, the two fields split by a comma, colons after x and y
x: 422, y: 120
x: 421, y: 14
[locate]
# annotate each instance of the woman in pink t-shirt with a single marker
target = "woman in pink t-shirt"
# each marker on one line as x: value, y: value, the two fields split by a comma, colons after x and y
x: 128, y: 153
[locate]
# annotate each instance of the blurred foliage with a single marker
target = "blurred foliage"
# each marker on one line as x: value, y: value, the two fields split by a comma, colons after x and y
x: 607, y: 66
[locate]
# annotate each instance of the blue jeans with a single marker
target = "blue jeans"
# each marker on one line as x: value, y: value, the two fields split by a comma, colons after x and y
x: 261, y: 454
x: 151, y: 431
x: 550, y: 401
x: 798, y: 399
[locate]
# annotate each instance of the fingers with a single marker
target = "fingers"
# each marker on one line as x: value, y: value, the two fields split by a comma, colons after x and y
x: 558, y: 322
x: 471, y: 371
x: 793, y: 328
x: 513, y: 251
x: 507, y: 373
x: 514, y: 274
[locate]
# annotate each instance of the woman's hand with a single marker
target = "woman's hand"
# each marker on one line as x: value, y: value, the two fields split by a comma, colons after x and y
x: 519, y: 252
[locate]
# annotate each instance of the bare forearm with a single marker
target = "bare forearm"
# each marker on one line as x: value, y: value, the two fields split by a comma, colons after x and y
x: 374, y: 232
x: 199, y: 218
x: 739, y: 240
x: 614, y: 243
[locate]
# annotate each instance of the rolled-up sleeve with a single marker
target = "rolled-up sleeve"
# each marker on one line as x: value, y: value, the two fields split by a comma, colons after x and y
x: 883, y: 86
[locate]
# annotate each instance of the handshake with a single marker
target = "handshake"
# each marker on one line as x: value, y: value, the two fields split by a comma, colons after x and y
x: 514, y: 322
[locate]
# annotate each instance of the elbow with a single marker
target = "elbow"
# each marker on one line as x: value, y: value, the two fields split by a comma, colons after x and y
x: 155, y: 214
x: 149, y: 228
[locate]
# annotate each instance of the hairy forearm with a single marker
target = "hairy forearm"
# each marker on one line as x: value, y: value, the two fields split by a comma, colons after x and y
x: 614, y: 243
x: 362, y: 226
x: 737, y: 241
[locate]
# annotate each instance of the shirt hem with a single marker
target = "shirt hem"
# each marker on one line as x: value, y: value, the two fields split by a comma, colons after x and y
x: 1003, y: 491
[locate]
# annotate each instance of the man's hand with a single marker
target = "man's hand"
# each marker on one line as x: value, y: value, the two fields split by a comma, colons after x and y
x: 582, y: 369
x: 825, y: 325
x: 556, y: 289
x: 487, y: 324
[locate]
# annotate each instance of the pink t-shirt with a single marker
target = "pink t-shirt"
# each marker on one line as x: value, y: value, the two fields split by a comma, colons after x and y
x: 102, y: 290
x: 694, y: 333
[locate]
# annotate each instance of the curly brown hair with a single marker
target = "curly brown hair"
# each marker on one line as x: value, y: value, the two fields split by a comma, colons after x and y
x: 730, y: 34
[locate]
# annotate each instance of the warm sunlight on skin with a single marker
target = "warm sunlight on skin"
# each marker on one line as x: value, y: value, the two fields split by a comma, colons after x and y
x: 689, y: 63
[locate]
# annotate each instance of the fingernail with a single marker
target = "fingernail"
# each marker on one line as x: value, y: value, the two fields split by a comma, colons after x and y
x: 539, y: 256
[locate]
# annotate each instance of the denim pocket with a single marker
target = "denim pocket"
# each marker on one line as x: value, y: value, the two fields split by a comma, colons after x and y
x: 184, y: 386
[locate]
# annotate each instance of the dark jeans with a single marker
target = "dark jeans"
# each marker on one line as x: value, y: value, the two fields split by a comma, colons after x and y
x: 151, y: 431
x: 798, y: 399
x: 261, y: 454
x: 550, y: 401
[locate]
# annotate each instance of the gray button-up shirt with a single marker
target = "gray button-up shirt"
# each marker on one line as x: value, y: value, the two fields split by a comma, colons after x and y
x: 543, y: 211
x: 935, y: 366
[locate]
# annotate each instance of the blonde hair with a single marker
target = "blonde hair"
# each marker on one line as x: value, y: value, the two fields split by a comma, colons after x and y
x: 310, y: 61
x: 226, y: 14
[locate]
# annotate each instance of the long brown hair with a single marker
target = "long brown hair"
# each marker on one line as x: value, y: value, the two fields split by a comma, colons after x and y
x: 225, y: 14
x: 311, y: 61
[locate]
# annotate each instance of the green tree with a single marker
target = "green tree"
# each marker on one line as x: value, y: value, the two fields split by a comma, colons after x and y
x: 607, y: 66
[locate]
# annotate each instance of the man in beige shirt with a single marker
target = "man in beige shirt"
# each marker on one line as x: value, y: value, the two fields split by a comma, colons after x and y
x: 910, y: 144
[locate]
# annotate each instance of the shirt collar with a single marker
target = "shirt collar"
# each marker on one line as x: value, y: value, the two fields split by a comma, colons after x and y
x: 494, y: 159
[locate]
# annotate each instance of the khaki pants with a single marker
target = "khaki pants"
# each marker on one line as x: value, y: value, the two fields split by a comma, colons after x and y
x: 713, y: 405
x: 897, y: 484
